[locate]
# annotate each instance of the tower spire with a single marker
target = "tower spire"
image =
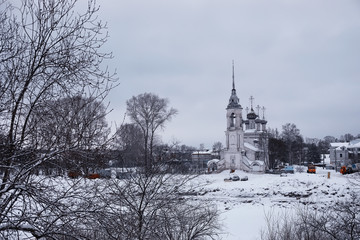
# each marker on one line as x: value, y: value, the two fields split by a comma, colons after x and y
x: 233, y: 75
x: 234, y: 100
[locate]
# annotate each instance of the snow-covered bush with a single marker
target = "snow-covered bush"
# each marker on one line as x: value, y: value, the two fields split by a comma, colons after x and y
x: 337, y: 222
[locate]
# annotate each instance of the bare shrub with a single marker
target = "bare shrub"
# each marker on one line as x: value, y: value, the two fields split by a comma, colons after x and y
x: 300, y: 169
x: 337, y: 222
x: 153, y: 206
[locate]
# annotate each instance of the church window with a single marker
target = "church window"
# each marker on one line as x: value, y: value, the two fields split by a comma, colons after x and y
x: 232, y: 123
x: 341, y: 155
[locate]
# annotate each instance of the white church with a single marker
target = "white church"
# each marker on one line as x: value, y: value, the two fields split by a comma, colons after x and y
x: 246, y: 146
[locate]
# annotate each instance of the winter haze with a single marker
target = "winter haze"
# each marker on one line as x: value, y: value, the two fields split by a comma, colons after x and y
x: 299, y: 59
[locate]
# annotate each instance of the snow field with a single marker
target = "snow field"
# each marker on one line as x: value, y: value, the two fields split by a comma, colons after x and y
x: 244, y: 204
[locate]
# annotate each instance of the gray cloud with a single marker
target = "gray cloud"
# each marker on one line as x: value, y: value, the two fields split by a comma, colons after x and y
x: 300, y: 59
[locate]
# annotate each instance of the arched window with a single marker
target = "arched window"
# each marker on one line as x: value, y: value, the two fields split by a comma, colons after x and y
x: 232, y: 118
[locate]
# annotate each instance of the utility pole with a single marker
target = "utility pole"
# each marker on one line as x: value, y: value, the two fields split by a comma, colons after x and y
x: 335, y: 160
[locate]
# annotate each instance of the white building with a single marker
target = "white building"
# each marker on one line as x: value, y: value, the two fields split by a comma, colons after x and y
x: 245, y: 149
x: 200, y: 159
x: 345, y: 153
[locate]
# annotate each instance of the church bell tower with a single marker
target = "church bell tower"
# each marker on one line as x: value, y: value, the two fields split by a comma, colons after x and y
x: 234, y: 131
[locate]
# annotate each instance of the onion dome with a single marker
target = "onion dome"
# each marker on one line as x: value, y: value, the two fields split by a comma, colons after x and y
x: 252, y: 114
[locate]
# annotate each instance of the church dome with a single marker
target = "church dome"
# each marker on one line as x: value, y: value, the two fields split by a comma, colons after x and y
x: 252, y: 114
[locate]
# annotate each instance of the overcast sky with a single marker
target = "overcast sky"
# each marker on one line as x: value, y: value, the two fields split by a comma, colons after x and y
x: 298, y: 58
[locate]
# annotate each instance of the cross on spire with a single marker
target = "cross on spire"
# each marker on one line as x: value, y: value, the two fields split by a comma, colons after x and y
x: 251, y: 101
x: 258, y: 110
x: 263, y: 110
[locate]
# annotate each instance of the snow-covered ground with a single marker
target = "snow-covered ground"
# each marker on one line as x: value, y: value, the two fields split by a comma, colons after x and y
x: 244, y: 203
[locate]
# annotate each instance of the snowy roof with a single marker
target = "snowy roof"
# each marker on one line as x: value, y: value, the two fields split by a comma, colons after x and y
x: 339, y: 144
x: 250, y: 130
x: 352, y: 144
x: 202, y: 153
x: 251, y: 147
x: 355, y: 141
x: 213, y: 161
x: 260, y: 163
x: 247, y: 161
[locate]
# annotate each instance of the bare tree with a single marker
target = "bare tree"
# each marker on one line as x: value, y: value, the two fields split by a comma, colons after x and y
x: 155, y: 206
x: 129, y: 143
x: 48, y: 52
x: 217, y: 148
x: 348, y: 137
x: 277, y: 152
x: 190, y: 221
x: 264, y: 146
x: 150, y: 113
x: 291, y: 136
x: 77, y: 124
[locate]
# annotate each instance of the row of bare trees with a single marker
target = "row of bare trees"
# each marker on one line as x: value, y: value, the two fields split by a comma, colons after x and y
x: 52, y: 113
x: 289, y: 147
x: 51, y: 96
x: 142, y: 206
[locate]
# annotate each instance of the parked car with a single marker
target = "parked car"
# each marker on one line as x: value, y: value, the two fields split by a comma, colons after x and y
x: 288, y: 169
x: 329, y: 167
x: 93, y: 176
x: 235, y: 178
x: 105, y: 173
x: 123, y: 175
x: 244, y: 178
x: 273, y: 171
x: 350, y: 168
x: 311, y: 169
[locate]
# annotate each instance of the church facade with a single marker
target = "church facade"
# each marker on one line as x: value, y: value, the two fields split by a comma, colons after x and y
x: 246, y: 144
